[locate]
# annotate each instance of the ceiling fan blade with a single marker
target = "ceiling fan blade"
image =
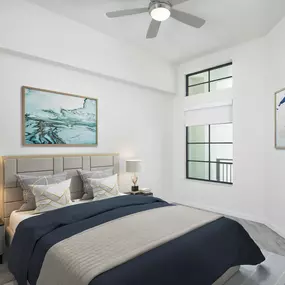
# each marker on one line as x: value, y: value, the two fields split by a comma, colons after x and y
x: 187, y: 19
x: 153, y: 29
x: 177, y: 2
x: 122, y: 13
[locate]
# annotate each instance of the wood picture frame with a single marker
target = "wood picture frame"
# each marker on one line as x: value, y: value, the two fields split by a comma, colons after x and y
x: 52, y: 118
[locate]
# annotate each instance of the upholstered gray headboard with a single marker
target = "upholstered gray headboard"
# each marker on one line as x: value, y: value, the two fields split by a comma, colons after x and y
x: 11, y: 193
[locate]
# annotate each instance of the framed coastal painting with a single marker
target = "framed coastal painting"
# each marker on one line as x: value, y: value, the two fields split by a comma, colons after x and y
x: 280, y: 119
x: 53, y: 118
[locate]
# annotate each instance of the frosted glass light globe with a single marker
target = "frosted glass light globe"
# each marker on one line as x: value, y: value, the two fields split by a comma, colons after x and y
x: 160, y: 14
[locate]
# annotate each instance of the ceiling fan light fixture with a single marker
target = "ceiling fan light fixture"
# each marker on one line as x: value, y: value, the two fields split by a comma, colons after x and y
x: 160, y: 11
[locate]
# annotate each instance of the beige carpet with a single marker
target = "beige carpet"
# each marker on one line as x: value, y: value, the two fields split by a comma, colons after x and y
x: 5, y: 275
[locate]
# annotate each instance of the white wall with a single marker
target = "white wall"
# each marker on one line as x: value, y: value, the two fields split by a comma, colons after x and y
x: 134, y: 121
x: 41, y: 49
x: 258, y: 192
x: 246, y: 197
x: 275, y: 159
x: 138, y: 117
x: 30, y: 29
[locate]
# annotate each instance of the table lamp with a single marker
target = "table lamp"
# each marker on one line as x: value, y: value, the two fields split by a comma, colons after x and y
x: 134, y: 166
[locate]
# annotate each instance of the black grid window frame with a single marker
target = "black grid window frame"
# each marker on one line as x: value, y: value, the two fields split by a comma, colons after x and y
x: 209, y: 81
x: 209, y: 143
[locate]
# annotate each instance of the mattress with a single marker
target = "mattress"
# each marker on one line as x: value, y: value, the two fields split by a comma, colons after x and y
x: 17, y: 217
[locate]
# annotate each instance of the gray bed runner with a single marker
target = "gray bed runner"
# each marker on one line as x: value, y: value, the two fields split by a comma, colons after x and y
x: 80, y: 258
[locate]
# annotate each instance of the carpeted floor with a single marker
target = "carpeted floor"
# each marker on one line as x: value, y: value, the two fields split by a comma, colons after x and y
x: 5, y: 275
x: 270, y: 272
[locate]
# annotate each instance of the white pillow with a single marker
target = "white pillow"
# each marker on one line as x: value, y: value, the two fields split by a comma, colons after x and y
x: 104, y: 188
x: 51, y: 197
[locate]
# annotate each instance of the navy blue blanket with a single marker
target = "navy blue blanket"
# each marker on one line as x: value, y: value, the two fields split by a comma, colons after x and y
x: 198, y: 257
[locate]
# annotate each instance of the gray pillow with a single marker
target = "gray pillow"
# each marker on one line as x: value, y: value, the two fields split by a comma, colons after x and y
x: 104, y: 188
x: 27, y: 180
x: 98, y: 173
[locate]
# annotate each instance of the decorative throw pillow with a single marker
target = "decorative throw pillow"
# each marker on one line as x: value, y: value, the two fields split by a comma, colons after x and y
x: 26, y: 180
x: 51, y: 197
x: 98, y: 173
x: 104, y: 188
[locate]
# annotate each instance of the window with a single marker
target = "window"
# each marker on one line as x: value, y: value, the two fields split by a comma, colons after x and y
x: 208, y: 80
x: 209, y: 151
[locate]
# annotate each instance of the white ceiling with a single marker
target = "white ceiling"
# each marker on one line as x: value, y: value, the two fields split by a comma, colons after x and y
x: 229, y: 22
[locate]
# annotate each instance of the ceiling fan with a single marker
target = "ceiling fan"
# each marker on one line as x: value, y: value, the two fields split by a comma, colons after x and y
x: 161, y: 10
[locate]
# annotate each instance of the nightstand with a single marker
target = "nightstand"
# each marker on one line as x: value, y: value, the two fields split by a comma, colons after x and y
x: 2, y: 239
x: 140, y: 192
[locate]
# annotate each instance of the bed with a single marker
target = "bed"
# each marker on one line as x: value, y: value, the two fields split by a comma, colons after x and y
x: 174, y: 244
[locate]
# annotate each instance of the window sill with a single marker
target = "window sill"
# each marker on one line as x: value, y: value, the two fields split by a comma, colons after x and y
x: 210, y: 181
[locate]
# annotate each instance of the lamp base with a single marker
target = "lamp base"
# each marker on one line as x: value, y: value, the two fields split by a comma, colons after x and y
x: 135, y: 188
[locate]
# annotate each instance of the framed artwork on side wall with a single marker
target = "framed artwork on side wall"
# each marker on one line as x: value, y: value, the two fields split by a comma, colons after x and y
x: 280, y: 119
x: 51, y: 118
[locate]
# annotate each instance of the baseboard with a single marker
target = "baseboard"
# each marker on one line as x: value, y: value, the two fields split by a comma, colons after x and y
x: 223, y: 212
x: 237, y: 215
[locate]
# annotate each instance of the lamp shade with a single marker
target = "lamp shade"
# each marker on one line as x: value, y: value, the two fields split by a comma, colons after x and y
x: 133, y: 166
